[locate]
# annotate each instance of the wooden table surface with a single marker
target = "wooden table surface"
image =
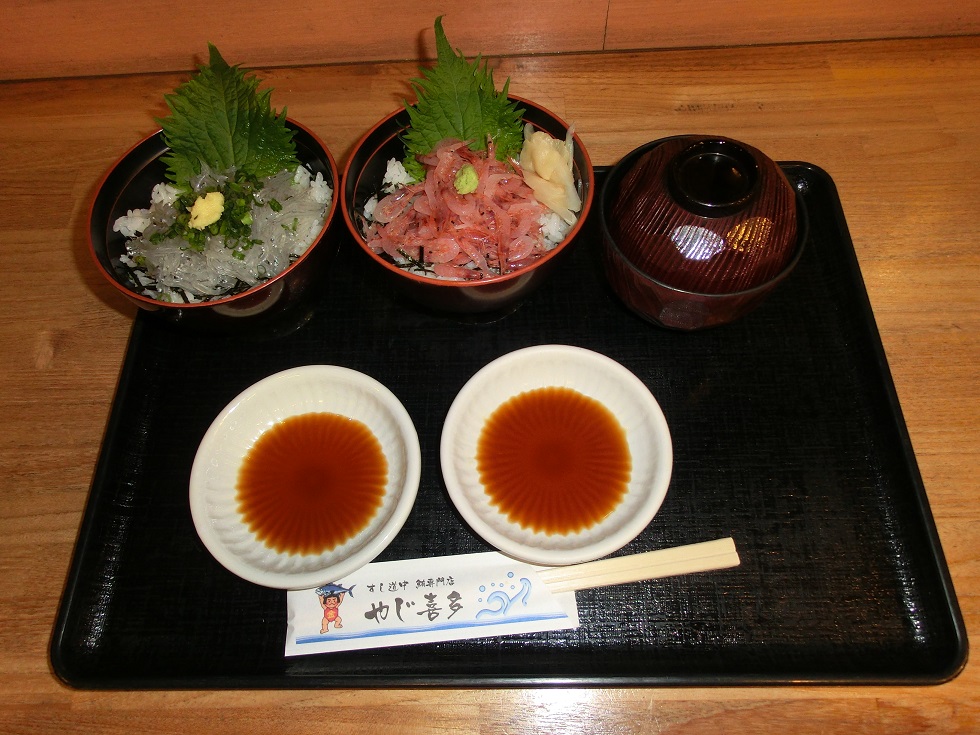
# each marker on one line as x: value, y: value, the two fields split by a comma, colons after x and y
x: 895, y: 123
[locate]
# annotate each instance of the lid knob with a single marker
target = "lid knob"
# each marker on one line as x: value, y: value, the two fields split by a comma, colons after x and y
x: 714, y: 178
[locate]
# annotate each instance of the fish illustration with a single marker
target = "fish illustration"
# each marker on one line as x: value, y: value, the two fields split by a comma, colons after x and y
x: 333, y: 589
x: 330, y: 596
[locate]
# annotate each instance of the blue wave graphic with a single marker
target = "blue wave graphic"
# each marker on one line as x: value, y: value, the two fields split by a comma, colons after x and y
x: 504, y: 601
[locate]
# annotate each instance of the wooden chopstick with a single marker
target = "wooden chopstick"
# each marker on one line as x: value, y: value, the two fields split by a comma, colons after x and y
x: 700, y: 557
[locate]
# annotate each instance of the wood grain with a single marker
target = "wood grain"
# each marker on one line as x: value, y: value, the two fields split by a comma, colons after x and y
x: 67, y: 38
x: 640, y: 24
x: 82, y: 37
x: 895, y: 124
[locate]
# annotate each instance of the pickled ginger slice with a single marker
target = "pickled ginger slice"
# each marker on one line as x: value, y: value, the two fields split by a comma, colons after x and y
x: 546, y: 163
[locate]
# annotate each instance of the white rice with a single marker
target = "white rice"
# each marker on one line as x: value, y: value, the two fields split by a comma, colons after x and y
x: 369, y: 206
x: 396, y: 176
x: 554, y: 228
x: 169, y: 271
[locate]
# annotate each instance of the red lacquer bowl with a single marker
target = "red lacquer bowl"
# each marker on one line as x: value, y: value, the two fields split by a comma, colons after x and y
x: 698, y: 230
x: 128, y: 184
x: 362, y: 179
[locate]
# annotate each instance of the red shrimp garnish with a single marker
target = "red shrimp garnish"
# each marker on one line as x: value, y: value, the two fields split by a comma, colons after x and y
x: 430, y: 226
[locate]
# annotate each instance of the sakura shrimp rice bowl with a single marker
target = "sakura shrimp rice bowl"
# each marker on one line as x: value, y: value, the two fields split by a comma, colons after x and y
x: 483, y: 288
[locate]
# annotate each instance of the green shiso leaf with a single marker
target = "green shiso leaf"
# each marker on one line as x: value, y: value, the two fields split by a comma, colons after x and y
x: 220, y: 118
x: 458, y: 99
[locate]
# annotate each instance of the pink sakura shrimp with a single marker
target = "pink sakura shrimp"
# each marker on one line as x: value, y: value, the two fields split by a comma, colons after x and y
x: 492, y: 231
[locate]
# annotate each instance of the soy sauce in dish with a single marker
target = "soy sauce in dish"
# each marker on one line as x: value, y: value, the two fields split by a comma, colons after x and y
x: 312, y: 482
x: 554, y: 460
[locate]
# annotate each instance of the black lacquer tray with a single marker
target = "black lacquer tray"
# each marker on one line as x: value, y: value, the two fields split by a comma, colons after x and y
x: 788, y: 437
